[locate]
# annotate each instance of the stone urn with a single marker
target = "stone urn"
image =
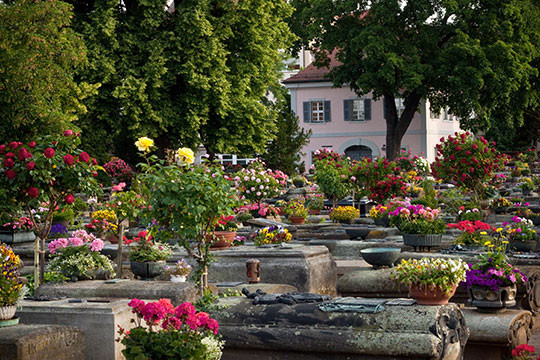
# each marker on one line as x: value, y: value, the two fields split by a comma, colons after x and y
x: 384, y: 222
x: 488, y: 300
x: 147, y: 270
x: 425, y: 295
x: 421, y: 241
x: 220, y: 239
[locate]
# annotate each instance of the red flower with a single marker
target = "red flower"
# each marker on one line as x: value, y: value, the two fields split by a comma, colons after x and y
x: 30, y: 165
x: 9, y: 163
x: 32, y: 144
x: 68, y: 132
x: 94, y: 161
x: 69, y: 159
x: 10, y: 155
x: 23, y: 154
x: 13, y: 144
x: 2, y: 148
x: 84, y: 157
x: 49, y: 152
x: 33, y: 192
x: 69, y: 199
x: 11, y: 174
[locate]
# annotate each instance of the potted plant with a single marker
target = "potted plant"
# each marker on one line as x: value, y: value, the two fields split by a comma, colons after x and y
x: 521, y: 234
x: 296, y: 211
x: 104, y: 225
x: 78, y: 257
x: 299, y: 181
x: 500, y: 205
x: 473, y: 232
x: 166, y: 332
x: 526, y: 186
x: 271, y: 235
x: 224, y: 233
x: 344, y: 214
x: 420, y: 226
x: 11, y: 286
x: 431, y: 281
x: 179, y: 271
x: 315, y: 203
x: 147, y: 258
x: 17, y: 229
x: 492, y: 281
x: 379, y: 214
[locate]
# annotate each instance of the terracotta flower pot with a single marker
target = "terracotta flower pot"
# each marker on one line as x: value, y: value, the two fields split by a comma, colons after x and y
x: 297, y: 220
x: 430, y: 296
x: 314, y: 211
x: 221, y: 239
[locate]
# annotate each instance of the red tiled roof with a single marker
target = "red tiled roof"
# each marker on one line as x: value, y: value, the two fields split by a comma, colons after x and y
x: 313, y: 73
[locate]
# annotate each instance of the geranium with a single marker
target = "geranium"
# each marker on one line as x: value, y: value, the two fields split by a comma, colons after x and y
x: 226, y: 223
x: 474, y: 232
x: 417, y: 219
x: 182, y: 331
x: 146, y: 250
x: 523, y: 352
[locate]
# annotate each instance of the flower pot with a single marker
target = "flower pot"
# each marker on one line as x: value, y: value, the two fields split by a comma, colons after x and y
x: 178, y: 278
x: 535, y: 220
x: 220, y: 239
x: 526, y: 192
x: 113, y: 239
x: 147, y: 270
x: 12, y: 237
x: 297, y: 220
x: 422, y: 240
x: 382, y: 221
x: 430, y: 295
x: 298, y: 183
x: 7, y: 312
x: 488, y: 300
x: 523, y: 246
x: 500, y: 209
x: 314, y: 211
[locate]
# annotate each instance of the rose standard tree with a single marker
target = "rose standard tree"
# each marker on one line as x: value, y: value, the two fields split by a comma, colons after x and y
x: 43, y: 174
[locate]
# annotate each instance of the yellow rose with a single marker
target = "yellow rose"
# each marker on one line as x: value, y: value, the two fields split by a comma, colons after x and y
x: 185, y: 155
x: 144, y: 144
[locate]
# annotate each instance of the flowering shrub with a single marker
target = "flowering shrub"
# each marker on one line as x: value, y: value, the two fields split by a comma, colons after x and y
x: 472, y: 214
x: 146, y: 250
x: 417, y: 219
x: 315, y: 201
x: 271, y: 235
x: 181, y: 268
x: 380, y: 178
x: 11, y: 287
x: 467, y: 162
x: 493, y: 270
x: 170, y: 332
x: 255, y: 183
x: 344, y: 213
x: 474, y: 232
x: 332, y: 174
x: 409, y: 162
x: 520, y: 229
x: 257, y: 210
x: 430, y: 273
x: 125, y: 204
x: 524, y: 352
x: 78, y: 256
x: 528, y: 156
x: 118, y: 169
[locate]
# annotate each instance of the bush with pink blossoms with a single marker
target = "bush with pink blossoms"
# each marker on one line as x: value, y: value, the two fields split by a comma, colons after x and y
x: 78, y: 256
x: 255, y: 182
x: 170, y: 332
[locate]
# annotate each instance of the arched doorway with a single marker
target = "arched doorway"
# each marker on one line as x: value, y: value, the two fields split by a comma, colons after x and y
x: 358, y: 152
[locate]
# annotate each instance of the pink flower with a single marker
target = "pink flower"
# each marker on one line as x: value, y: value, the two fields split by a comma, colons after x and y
x: 69, y: 199
x: 69, y: 159
x: 32, y: 144
x: 119, y: 187
x: 30, y: 165
x: 96, y: 245
x: 33, y: 192
x: 68, y: 132
x: 75, y: 241
x: 49, y: 152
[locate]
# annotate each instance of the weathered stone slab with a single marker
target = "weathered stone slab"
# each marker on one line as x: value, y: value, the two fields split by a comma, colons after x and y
x: 98, y: 320
x: 43, y: 342
x: 351, y: 248
x: 371, y: 283
x: 493, y: 336
x: 308, y: 268
x: 302, y: 331
x: 267, y: 288
x: 261, y: 222
x: 123, y: 289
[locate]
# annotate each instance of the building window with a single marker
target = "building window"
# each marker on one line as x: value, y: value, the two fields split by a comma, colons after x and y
x: 400, y: 106
x: 316, y: 111
x: 357, y: 109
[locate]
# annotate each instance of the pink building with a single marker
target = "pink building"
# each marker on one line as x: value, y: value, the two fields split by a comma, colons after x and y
x: 343, y: 122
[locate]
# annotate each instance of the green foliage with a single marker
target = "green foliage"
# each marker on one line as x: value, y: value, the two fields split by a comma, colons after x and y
x: 283, y: 152
x: 474, y: 57
x: 49, y: 277
x: 79, y: 262
x: 146, y: 250
x: 192, y: 75
x: 39, y: 54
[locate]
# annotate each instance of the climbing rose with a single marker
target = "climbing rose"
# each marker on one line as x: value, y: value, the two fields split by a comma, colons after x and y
x: 68, y: 132
x: 33, y: 192
x: 23, y: 154
x: 68, y: 159
x: 69, y: 199
x: 32, y: 144
x: 2, y: 148
x: 49, y: 152
x: 84, y: 157
x: 8, y: 163
x: 30, y: 165
x: 13, y: 144
x: 10, y: 155
x: 11, y: 174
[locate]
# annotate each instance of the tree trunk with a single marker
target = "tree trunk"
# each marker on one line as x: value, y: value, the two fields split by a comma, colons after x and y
x: 396, y: 127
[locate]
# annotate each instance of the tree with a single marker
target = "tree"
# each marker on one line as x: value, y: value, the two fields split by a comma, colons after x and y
x: 472, y: 56
x: 284, y: 151
x: 188, y: 76
x: 39, y: 54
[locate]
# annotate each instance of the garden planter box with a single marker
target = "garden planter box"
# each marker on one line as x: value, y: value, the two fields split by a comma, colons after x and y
x: 14, y: 237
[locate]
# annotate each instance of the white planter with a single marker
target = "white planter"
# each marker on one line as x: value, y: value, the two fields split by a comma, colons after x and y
x: 7, y: 312
x: 178, y: 278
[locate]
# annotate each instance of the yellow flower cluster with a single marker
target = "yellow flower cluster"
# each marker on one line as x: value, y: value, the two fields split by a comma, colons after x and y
x: 8, y: 256
x: 344, y: 213
x: 376, y: 211
x: 108, y: 215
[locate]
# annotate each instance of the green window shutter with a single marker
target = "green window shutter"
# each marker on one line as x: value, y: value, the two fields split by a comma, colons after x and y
x: 367, y: 109
x: 327, y: 112
x: 307, y: 111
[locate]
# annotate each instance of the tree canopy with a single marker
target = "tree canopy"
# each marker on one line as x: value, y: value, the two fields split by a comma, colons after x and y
x: 39, y: 54
x: 192, y: 75
x: 472, y: 56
